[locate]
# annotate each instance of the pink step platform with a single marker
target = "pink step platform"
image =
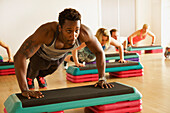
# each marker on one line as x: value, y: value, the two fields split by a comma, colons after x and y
x: 129, y: 73
x: 82, y: 78
x: 7, y: 71
x: 118, y: 107
x: 154, y: 51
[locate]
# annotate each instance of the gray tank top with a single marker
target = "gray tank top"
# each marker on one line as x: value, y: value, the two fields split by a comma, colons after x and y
x: 51, y: 53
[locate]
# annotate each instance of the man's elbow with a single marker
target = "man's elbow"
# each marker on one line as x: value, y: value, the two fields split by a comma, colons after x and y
x: 18, y: 57
x: 100, y: 53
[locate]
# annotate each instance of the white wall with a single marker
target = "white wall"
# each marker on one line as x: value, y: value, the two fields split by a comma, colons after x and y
x: 149, y: 12
x: 165, y: 22
x: 127, y: 16
x: 20, y: 18
x: 119, y: 14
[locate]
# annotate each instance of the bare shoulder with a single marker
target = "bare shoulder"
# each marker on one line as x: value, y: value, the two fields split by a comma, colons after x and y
x: 45, y: 32
x: 85, y: 33
x: 50, y: 26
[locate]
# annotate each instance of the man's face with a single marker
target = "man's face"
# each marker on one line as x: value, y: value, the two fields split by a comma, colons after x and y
x: 114, y: 35
x: 70, y: 31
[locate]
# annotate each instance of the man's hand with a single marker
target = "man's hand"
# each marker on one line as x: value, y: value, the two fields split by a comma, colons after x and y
x: 80, y: 65
x: 122, y: 61
x: 103, y: 84
x: 35, y: 94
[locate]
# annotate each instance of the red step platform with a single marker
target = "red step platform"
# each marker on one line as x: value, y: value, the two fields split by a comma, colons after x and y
x: 137, y: 51
x: 82, y: 78
x: 154, y: 51
x: 118, y: 107
x: 7, y: 71
x: 129, y: 73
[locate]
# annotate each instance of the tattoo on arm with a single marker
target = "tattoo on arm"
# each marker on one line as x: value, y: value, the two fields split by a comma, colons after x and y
x: 28, y: 48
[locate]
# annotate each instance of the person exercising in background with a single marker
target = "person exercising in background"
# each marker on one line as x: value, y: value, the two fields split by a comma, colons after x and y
x: 7, y: 49
x: 141, y: 35
x: 48, y: 46
x: 83, y: 53
x: 123, y: 40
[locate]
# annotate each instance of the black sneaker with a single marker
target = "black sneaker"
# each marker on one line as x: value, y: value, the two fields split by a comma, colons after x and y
x: 42, y: 82
x: 30, y: 83
x: 65, y: 65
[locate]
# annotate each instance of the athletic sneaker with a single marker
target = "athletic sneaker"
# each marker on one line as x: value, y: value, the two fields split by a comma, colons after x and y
x: 30, y: 83
x: 65, y: 65
x: 167, y: 52
x: 42, y: 82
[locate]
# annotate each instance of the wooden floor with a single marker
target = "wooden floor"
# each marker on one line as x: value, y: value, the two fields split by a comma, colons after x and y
x: 154, y: 85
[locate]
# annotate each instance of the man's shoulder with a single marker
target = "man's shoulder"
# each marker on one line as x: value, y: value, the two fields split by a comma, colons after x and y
x: 49, y: 25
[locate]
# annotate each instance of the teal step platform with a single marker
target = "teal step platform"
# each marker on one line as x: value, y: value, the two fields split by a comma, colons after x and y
x: 6, y: 65
x: 144, y: 48
x: 110, y: 67
x: 1, y: 58
x: 115, y: 56
x: 69, y: 98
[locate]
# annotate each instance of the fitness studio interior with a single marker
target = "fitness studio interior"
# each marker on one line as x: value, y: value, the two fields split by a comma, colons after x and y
x: 142, y: 84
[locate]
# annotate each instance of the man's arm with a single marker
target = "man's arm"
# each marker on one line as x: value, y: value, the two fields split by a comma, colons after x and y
x: 94, y: 45
x: 27, y: 50
x: 7, y: 49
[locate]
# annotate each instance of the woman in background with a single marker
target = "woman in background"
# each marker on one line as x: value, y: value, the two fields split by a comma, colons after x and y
x: 85, y: 55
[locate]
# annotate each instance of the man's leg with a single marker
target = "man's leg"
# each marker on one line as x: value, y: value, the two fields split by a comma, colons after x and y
x: 53, y: 67
x: 35, y: 65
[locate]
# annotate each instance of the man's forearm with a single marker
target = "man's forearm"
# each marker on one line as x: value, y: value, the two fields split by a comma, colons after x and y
x: 100, y: 63
x: 20, y: 69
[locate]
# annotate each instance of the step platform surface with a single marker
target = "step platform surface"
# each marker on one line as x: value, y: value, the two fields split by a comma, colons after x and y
x: 69, y: 98
x: 139, y: 48
x: 110, y: 67
x: 115, y: 56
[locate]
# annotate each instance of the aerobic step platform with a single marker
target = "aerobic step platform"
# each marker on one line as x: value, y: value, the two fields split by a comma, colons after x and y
x: 69, y: 98
x: 7, y: 68
x: 129, y: 73
x: 118, y: 107
x: 1, y: 58
x: 144, y: 48
x: 115, y: 56
x: 6, y: 65
x: 82, y: 78
x: 110, y: 67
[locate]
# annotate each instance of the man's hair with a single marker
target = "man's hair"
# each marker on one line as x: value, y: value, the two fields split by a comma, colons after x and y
x: 112, y: 30
x: 68, y: 14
